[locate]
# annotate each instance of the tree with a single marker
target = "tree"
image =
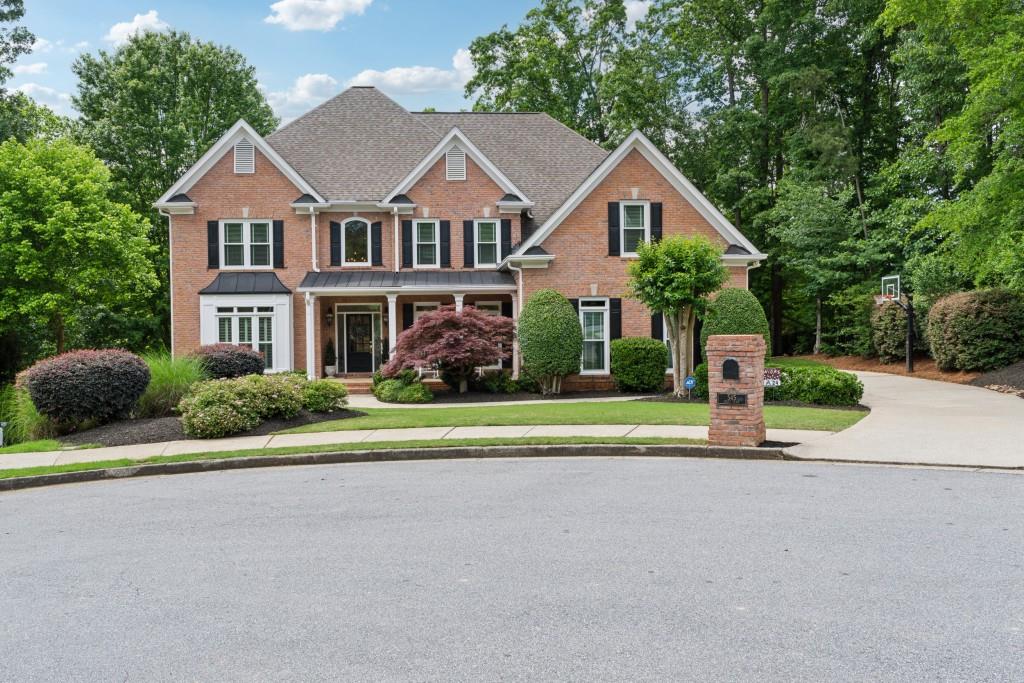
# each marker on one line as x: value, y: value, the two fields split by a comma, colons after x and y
x: 151, y: 108
x: 22, y: 119
x: 456, y: 343
x: 550, y: 339
x: 674, y: 277
x: 64, y: 244
x: 14, y: 40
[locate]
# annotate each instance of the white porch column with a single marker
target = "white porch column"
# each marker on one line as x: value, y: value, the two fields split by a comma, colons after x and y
x: 515, y: 339
x: 458, y: 302
x: 392, y: 323
x: 311, y: 372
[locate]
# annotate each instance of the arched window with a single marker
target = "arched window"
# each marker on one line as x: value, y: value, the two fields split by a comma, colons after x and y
x: 356, y: 242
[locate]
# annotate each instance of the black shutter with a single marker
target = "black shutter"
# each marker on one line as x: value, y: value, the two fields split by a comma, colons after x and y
x: 279, y: 244
x: 446, y: 244
x: 335, y: 243
x: 406, y: 316
x: 655, y: 221
x: 576, y: 305
x: 506, y: 309
x: 615, y: 314
x: 212, y: 244
x: 506, y: 238
x: 376, y: 244
x: 657, y: 326
x: 613, y: 229
x: 468, y: 257
x: 407, y: 244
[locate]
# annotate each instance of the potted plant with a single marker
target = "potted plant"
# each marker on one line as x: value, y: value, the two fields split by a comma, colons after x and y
x: 330, y: 359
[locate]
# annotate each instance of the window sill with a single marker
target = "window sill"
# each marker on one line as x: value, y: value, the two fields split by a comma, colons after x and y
x: 356, y: 265
x: 593, y: 373
x: 417, y: 267
x: 246, y: 268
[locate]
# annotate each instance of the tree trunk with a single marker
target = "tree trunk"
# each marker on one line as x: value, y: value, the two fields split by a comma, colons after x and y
x: 817, y: 325
x: 691, y: 329
x: 463, y: 385
x: 672, y: 320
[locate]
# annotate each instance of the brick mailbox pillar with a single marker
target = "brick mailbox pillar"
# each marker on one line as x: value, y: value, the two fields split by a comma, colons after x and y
x: 736, y: 389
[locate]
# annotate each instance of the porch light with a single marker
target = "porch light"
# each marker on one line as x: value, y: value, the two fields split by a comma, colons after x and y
x: 330, y: 318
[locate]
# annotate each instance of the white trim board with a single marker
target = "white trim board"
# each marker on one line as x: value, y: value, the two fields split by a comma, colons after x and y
x: 456, y: 136
x: 659, y: 161
x: 240, y: 130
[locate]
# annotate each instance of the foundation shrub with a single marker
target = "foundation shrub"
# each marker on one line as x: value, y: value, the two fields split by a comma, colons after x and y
x: 639, y: 364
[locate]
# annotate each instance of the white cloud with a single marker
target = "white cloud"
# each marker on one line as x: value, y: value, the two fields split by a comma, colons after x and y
x: 307, y: 92
x: 314, y: 15
x: 404, y: 80
x: 80, y: 46
x: 58, y: 101
x: 42, y: 45
x: 34, y: 68
x: 635, y: 11
x: 120, y: 33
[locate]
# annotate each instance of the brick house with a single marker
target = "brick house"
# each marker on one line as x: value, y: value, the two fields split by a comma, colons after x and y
x: 346, y: 224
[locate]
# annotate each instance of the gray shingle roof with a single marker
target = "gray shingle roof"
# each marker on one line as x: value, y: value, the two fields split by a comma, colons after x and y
x: 374, y: 279
x: 736, y: 249
x: 360, y: 144
x: 245, y: 283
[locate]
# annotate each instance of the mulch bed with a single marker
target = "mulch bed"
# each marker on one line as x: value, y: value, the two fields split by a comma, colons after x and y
x: 924, y: 368
x: 485, y: 397
x: 157, y: 429
x: 1008, y: 380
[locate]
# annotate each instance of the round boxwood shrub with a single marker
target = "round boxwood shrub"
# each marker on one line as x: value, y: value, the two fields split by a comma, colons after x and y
x: 550, y: 339
x: 736, y: 311
x: 639, y: 364
x: 324, y: 396
x: 889, y: 332
x: 96, y: 385
x: 980, y: 330
x: 417, y: 392
x: 224, y: 361
x: 405, y: 388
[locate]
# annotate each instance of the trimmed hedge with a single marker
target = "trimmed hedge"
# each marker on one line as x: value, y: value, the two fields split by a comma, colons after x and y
x: 817, y: 385
x: 550, y: 339
x: 96, y: 385
x: 639, y: 364
x: 324, y: 396
x: 405, y: 387
x: 736, y: 311
x: 889, y: 332
x: 980, y: 330
x: 224, y: 361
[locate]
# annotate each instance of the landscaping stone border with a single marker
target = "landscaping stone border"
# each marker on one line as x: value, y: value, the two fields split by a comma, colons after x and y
x: 398, y: 454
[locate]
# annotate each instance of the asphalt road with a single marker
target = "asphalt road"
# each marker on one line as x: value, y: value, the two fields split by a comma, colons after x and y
x: 568, y: 569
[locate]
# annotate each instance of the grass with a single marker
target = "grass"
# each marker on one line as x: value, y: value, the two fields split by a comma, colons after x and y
x: 614, y: 412
x: 42, y: 446
x: 344, y: 447
x: 170, y: 378
x: 789, y: 362
x: 24, y: 422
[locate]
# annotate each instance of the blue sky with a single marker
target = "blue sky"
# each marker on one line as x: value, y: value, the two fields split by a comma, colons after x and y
x: 303, y: 50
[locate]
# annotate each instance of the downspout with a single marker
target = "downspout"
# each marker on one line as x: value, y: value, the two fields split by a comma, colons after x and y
x: 519, y: 306
x: 312, y: 227
x: 170, y: 269
x: 397, y: 246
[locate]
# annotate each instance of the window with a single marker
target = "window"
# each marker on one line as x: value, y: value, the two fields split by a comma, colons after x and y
x: 636, y: 225
x: 356, y: 242
x: 421, y: 308
x: 245, y: 157
x: 455, y: 163
x: 425, y: 244
x: 246, y: 243
x: 486, y: 243
x: 594, y: 320
x: 236, y: 325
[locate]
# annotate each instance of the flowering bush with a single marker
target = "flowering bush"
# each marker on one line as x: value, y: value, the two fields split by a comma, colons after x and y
x: 227, y: 406
x: 95, y: 384
x: 222, y: 361
x: 324, y: 396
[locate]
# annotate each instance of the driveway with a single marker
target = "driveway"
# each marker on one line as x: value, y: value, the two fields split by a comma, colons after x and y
x: 924, y: 421
x: 585, y: 569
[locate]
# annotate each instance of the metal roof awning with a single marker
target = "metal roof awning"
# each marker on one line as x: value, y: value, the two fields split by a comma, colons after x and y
x: 245, y: 283
x: 407, y: 281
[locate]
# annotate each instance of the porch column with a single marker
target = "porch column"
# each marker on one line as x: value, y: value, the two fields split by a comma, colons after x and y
x: 458, y: 302
x: 392, y: 323
x: 515, y: 338
x: 311, y: 372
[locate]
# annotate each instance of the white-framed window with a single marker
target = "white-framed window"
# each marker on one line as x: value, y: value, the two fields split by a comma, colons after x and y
x: 635, y: 225
x: 425, y: 244
x: 421, y: 307
x: 355, y: 242
x: 594, y: 321
x: 251, y: 326
x: 246, y: 243
x: 486, y: 243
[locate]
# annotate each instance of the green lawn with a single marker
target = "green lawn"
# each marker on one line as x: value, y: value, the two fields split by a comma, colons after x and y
x: 335, y: 448
x: 615, y: 412
x: 40, y: 446
x: 787, y: 362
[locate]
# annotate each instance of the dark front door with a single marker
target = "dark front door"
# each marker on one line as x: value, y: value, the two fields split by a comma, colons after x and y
x: 359, y: 342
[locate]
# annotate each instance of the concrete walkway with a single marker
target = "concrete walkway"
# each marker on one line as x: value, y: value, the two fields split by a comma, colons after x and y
x: 141, y: 451
x: 924, y: 421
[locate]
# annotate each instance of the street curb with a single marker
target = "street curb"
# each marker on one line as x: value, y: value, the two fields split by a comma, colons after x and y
x: 396, y: 454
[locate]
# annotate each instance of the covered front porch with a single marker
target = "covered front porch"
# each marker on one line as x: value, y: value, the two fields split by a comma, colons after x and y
x: 359, y: 315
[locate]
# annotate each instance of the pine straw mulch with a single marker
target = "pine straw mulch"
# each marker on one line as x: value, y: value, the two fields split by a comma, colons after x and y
x: 924, y: 368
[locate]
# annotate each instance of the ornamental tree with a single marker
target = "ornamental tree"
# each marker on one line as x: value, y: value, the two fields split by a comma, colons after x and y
x: 550, y: 339
x: 455, y: 343
x: 674, y: 277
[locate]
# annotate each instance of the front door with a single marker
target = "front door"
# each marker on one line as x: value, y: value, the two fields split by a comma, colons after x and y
x: 358, y: 342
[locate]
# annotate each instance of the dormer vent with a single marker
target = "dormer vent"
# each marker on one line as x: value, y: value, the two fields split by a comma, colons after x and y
x: 245, y: 156
x: 455, y: 163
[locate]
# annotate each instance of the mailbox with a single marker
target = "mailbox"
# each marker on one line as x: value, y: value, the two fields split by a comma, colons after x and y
x: 730, y: 369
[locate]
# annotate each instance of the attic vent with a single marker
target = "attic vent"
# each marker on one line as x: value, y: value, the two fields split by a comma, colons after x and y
x: 244, y: 157
x: 455, y: 161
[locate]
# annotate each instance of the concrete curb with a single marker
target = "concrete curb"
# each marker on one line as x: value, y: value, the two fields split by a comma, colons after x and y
x: 396, y: 454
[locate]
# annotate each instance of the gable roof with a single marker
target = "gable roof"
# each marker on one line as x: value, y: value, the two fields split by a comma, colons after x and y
x: 639, y: 142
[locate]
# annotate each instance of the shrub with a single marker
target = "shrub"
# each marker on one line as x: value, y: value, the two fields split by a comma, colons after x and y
x: 736, y: 311
x: 700, y: 373
x: 227, y: 406
x: 639, y: 364
x: 405, y: 388
x: 818, y: 385
x: 24, y: 422
x: 330, y: 357
x: 324, y: 396
x: 496, y: 383
x: 417, y: 392
x: 388, y: 390
x: 96, y: 385
x: 550, y: 339
x: 171, y: 378
x: 224, y: 361
x: 980, y: 330
x: 889, y: 332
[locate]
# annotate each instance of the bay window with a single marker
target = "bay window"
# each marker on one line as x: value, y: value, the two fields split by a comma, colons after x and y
x: 251, y: 326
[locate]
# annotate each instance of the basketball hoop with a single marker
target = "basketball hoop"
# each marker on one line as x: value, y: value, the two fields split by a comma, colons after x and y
x: 881, y: 299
